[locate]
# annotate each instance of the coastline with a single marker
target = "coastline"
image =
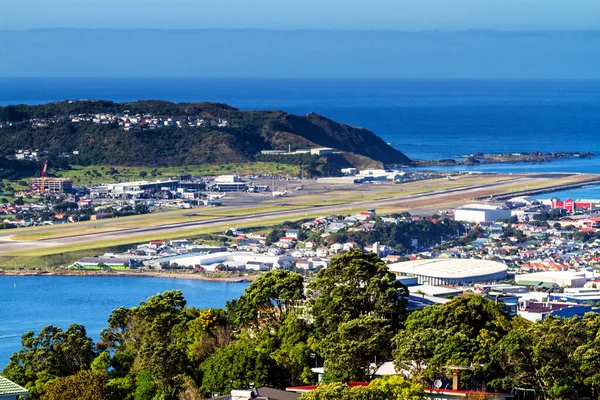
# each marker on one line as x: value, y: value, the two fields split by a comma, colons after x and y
x: 133, y: 273
x: 509, y: 158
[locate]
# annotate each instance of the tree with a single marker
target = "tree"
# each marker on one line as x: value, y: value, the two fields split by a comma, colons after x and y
x: 268, y: 299
x: 143, y: 174
x: 238, y: 366
x: 207, y: 333
x: 11, y: 114
x: 356, y: 304
x: 389, y: 388
x: 144, y: 386
x: 52, y: 354
x: 462, y: 332
x: 84, y: 385
x: 350, y: 350
x: 554, y: 356
x: 397, y: 387
x: 355, y: 285
x: 292, y: 352
x: 154, y: 338
x: 274, y: 236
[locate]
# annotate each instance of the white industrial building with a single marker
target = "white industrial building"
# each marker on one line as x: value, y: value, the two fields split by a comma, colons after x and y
x: 451, y: 271
x: 227, y: 183
x: 477, y: 213
x: 133, y: 188
x: 559, y: 278
x: 239, y: 260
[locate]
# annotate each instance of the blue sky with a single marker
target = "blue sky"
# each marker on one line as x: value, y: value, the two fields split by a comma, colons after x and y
x: 303, y: 14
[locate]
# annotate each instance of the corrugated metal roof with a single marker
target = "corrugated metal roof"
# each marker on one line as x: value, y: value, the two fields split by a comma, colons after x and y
x: 449, y: 267
x: 8, y: 387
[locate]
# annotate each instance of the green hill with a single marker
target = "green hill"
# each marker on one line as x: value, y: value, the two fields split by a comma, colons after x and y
x: 248, y: 133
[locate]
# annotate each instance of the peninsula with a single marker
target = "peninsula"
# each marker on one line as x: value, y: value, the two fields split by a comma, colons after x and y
x: 160, y: 133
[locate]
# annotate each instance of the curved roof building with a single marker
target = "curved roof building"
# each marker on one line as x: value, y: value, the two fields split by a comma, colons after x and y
x: 450, y: 271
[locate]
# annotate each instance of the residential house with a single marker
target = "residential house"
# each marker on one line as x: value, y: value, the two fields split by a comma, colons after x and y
x: 256, y: 266
x: 350, y: 245
x: 318, y: 262
x: 286, y: 242
x: 263, y: 393
x: 10, y: 390
x: 322, y: 252
x: 336, y: 248
x: 292, y: 233
x: 304, y: 264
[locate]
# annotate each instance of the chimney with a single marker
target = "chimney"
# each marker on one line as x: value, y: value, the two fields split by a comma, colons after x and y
x: 456, y: 380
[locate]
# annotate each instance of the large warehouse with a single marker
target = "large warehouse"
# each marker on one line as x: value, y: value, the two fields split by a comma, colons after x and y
x: 550, y: 278
x: 481, y: 213
x: 451, y: 271
x: 238, y: 260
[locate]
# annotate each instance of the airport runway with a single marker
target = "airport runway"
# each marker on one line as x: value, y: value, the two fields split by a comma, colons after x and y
x: 407, y: 201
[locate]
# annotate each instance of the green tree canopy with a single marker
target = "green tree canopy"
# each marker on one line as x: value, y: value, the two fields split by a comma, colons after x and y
x: 354, y: 285
x: 268, y: 299
x: 557, y: 356
x: 388, y: 388
x: 52, y: 353
x: 84, y: 385
x: 238, y: 366
x: 461, y: 332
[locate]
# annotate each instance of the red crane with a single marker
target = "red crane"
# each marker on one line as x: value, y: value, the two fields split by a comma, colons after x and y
x: 44, y: 168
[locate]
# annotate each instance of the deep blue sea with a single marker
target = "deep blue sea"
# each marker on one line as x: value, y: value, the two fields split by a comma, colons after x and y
x: 32, y: 302
x: 426, y: 119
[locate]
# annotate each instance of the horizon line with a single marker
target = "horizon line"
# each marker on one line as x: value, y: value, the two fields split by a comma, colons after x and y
x: 307, y: 78
x: 359, y: 30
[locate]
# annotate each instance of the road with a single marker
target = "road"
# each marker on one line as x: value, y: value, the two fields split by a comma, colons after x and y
x: 408, y: 201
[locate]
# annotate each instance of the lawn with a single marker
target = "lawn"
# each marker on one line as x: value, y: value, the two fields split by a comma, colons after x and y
x: 53, y: 260
x: 66, y: 255
x: 85, y: 175
x: 104, y: 268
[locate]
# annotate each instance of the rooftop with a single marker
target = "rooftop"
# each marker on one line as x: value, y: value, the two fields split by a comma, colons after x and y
x: 481, y: 207
x: 449, y: 267
x: 10, y: 388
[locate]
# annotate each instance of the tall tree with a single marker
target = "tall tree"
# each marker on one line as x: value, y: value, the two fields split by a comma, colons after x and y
x: 268, y: 299
x: 84, y: 385
x: 461, y: 332
x: 354, y: 285
x: 355, y: 346
x: 552, y: 356
x: 153, y: 338
x: 51, y: 354
x: 356, y: 303
x: 238, y: 366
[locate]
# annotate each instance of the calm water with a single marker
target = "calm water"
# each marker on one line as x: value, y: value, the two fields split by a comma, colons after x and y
x: 32, y: 302
x: 584, y: 193
x: 426, y: 119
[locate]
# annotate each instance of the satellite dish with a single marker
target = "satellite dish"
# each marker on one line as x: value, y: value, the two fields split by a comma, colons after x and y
x: 437, y: 384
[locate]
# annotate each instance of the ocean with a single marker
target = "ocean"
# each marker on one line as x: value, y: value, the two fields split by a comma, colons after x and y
x: 32, y: 302
x: 426, y: 119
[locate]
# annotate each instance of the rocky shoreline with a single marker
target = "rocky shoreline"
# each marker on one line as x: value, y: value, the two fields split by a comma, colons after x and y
x: 135, y: 274
x: 507, y: 158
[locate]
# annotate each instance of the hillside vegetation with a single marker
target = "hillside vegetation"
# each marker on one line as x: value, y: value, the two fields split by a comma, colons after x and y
x: 249, y: 133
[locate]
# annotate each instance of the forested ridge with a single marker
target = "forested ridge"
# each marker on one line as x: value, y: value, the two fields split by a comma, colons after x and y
x: 351, y: 317
x: 248, y: 133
